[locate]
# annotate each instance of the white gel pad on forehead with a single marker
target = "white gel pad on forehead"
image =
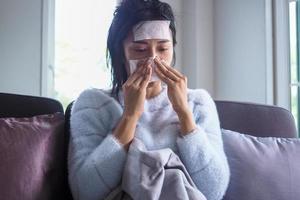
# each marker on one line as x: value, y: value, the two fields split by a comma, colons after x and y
x: 134, y: 63
x: 156, y: 29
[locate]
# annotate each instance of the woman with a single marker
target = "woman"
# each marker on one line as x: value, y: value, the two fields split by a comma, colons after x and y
x: 149, y: 100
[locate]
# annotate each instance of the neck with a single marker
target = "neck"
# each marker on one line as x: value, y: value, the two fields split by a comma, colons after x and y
x: 153, y: 89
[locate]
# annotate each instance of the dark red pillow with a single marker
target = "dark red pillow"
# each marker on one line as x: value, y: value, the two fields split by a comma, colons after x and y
x: 31, y: 157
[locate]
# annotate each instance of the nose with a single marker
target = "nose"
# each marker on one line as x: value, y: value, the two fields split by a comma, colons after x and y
x: 152, y: 52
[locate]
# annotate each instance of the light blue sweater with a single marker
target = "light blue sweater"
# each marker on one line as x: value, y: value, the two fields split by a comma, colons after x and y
x: 96, y: 158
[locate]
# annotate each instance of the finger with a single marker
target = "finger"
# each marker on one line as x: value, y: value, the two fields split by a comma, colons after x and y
x: 177, y: 73
x: 141, y: 69
x: 143, y: 63
x: 145, y: 72
x: 147, y: 77
x: 135, y: 75
x: 163, y: 77
x: 142, y: 76
x: 138, y: 80
x: 166, y: 71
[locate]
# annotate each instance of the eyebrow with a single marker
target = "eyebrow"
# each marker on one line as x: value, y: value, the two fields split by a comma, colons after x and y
x: 143, y: 42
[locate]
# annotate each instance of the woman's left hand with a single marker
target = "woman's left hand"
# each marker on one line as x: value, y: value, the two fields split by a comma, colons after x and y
x: 177, y: 85
x: 177, y: 93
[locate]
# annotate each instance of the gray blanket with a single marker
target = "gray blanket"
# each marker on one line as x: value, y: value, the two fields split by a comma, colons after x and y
x: 154, y: 175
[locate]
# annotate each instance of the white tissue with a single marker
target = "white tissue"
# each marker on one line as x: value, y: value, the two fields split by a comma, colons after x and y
x: 133, y: 65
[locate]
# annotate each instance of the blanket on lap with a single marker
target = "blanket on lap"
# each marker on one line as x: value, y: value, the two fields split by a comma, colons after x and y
x: 154, y: 175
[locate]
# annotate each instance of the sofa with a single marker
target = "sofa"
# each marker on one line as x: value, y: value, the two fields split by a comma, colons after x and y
x: 34, y: 134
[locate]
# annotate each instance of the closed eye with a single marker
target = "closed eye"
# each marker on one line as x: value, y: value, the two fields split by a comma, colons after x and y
x: 163, y: 49
x: 140, y: 50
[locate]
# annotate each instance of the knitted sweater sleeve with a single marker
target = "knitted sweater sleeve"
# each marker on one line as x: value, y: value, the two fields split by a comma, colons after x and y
x: 95, y: 158
x: 202, y: 151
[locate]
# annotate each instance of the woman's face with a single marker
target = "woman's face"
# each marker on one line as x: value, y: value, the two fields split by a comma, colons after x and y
x: 137, y: 50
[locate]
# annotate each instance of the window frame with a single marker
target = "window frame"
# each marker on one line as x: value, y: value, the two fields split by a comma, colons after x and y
x: 298, y: 61
x: 281, y: 54
x: 297, y: 83
x: 47, y: 48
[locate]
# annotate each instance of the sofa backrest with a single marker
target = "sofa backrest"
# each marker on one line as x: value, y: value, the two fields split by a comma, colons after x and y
x: 249, y: 118
x: 256, y: 119
x: 14, y: 105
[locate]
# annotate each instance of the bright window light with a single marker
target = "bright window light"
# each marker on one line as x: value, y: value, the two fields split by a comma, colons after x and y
x: 80, y: 46
x: 294, y: 60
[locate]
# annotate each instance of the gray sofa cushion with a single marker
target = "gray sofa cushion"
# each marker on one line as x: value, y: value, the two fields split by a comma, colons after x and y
x: 262, y: 168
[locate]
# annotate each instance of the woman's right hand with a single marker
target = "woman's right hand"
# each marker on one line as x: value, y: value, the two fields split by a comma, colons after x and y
x: 134, y: 90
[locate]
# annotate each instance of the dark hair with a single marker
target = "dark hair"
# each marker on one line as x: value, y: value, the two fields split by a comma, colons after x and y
x: 126, y: 15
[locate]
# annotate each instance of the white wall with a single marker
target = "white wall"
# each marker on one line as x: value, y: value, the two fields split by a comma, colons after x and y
x: 240, y: 50
x: 225, y: 49
x: 177, y: 9
x: 198, y: 52
x: 221, y: 47
x: 20, y: 46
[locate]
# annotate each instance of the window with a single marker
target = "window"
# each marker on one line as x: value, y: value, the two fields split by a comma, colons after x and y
x: 80, y: 46
x: 294, y: 59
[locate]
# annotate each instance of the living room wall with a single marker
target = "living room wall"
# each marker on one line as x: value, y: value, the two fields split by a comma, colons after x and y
x: 20, y: 46
x: 221, y: 47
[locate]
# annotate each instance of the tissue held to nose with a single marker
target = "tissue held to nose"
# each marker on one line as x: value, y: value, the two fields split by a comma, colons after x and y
x: 134, y: 63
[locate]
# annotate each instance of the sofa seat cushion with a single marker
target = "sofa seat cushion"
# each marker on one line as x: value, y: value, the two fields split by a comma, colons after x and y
x: 262, y: 167
x: 31, y: 157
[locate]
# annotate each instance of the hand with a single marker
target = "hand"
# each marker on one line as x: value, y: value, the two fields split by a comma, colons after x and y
x: 177, y: 85
x: 134, y: 90
x: 134, y: 97
x: 177, y: 93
